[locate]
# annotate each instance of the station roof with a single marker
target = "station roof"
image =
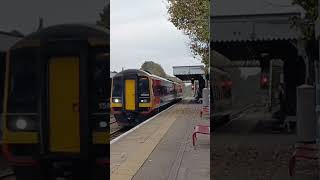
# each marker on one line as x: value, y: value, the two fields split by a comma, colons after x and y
x: 242, y: 30
x: 186, y: 73
x: 252, y: 7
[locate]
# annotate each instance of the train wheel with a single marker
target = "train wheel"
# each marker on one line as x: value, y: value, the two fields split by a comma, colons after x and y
x: 28, y: 172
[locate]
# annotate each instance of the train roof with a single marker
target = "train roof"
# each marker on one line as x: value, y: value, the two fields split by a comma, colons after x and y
x: 142, y: 73
x: 69, y: 32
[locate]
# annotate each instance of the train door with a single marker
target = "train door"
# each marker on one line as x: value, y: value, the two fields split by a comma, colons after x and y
x: 64, y: 104
x: 130, y: 94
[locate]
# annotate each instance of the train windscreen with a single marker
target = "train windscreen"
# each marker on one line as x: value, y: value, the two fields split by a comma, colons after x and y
x: 100, y: 84
x: 117, y: 87
x: 2, y: 74
x: 144, y: 90
x: 22, y: 96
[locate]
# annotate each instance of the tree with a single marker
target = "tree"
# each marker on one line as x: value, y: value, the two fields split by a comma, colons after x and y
x: 192, y: 17
x: 153, y: 68
x: 104, y: 20
x: 306, y: 25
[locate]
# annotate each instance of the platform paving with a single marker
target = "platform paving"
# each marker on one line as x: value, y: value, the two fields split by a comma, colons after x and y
x: 170, y: 154
x: 249, y: 149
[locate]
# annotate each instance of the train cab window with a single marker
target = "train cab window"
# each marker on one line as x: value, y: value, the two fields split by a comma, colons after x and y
x: 117, y: 87
x: 23, y: 88
x: 2, y: 76
x: 99, y: 85
x: 144, y: 90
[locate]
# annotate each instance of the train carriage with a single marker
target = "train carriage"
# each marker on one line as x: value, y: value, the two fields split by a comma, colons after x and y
x: 55, y: 112
x: 136, y: 94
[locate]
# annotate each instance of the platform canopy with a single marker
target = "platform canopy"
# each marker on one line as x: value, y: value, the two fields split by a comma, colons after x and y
x: 187, y: 73
x: 243, y: 30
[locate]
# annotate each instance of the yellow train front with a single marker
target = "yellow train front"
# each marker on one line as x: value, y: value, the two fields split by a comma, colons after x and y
x: 55, y: 115
x: 137, y: 94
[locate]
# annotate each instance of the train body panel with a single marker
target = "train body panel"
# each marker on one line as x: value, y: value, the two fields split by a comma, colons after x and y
x: 55, y: 100
x: 137, y: 94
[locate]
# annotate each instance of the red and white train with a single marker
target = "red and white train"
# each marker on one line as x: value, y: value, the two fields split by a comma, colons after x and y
x: 136, y: 94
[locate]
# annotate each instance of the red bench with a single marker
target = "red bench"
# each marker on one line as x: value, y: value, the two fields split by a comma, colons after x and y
x: 302, y: 151
x: 200, y: 129
x: 204, y: 109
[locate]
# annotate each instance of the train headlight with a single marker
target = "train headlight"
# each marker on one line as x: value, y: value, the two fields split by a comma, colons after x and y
x: 103, y: 124
x: 144, y: 100
x: 116, y: 100
x: 100, y: 122
x: 22, y: 123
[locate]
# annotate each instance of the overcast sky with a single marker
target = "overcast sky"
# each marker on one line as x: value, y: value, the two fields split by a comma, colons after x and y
x: 140, y: 31
x: 23, y: 15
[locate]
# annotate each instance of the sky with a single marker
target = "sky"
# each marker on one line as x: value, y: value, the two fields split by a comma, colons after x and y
x: 24, y: 15
x: 140, y: 31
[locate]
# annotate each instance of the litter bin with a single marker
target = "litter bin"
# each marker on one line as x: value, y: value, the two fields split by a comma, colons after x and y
x: 306, y: 115
x: 205, y: 97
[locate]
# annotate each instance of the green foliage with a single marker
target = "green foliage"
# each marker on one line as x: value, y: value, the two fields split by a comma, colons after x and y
x: 153, y: 68
x: 104, y: 20
x: 306, y: 24
x: 192, y: 17
x: 156, y: 69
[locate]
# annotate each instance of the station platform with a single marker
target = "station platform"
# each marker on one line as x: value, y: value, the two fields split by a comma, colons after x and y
x: 161, y: 149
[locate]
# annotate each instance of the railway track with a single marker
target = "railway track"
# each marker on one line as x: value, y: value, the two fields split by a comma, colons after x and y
x: 242, y: 112
x: 236, y: 115
x: 118, y: 132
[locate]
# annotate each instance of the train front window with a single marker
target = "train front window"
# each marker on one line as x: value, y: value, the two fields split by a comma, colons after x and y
x: 144, y: 90
x: 100, y: 84
x: 22, y: 96
x: 117, y: 88
x: 2, y: 72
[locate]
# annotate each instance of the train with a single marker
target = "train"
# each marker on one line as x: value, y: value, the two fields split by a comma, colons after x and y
x: 137, y: 94
x: 55, y: 112
x: 221, y: 95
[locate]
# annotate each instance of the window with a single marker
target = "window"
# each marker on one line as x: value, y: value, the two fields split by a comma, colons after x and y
x: 2, y: 76
x: 99, y: 91
x: 117, y: 87
x: 144, y: 90
x: 23, y: 82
